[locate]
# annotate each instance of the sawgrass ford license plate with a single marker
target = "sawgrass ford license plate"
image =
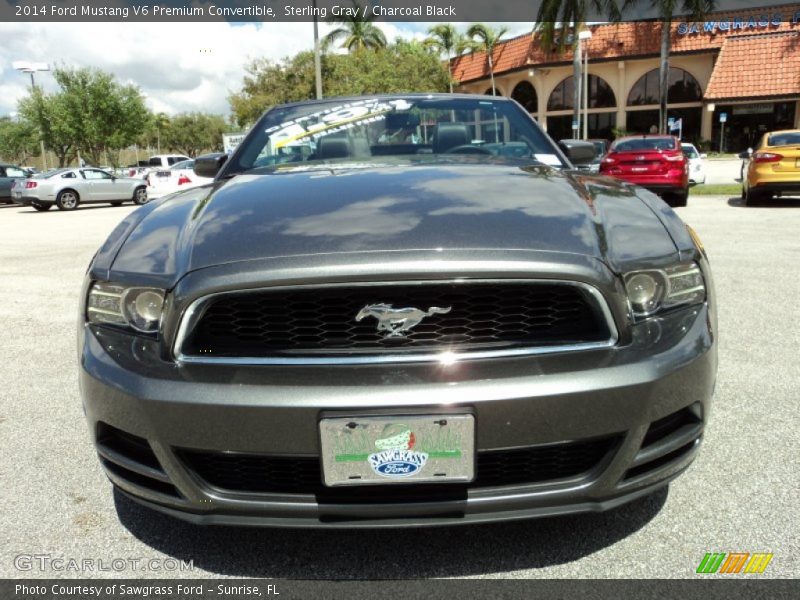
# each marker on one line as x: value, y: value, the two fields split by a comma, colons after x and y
x: 402, y: 449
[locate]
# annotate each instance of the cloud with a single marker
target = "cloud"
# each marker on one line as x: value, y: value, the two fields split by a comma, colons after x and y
x: 179, y: 66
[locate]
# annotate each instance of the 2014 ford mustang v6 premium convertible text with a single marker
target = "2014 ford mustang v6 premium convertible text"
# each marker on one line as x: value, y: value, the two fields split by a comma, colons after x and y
x: 397, y: 310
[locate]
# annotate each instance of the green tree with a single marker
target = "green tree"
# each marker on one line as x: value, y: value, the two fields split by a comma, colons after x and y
x: 268, y: 83
x: 356, y: 32
x: 91, y: 111
x: 19, y: 140
x: 153, y: 129
x: 562, y: 20
x: 697, y: 10
x: 445, y: 40
x: 400, y: 67
x: 486, y: 39
x: 193, y: 133
x: 49, y: 116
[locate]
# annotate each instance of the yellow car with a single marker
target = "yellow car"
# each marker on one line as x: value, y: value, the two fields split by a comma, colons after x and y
x: 774, y: 167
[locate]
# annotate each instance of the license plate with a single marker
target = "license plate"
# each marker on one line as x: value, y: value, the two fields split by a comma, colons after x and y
x: 398, y: 449
x: 162, y: 174
x: 639, y: 169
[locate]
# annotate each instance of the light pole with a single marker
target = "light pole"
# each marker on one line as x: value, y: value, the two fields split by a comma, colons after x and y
x: 32, y: 67
x: 584, y: 36
x: 317, y: 59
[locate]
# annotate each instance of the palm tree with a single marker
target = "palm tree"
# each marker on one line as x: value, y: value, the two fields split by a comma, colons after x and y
x: 557, y: 17
x: 697, y: 10
x: 445, y: 39
x: 487, y: 40
x: 358, y: 32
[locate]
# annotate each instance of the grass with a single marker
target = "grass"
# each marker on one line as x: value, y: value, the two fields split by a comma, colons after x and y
x: 722, y: 189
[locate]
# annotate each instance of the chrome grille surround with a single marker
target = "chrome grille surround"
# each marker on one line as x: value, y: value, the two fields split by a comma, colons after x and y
x: 195, y: 311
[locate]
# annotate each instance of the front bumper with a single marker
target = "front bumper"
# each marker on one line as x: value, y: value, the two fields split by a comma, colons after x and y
x: 649, y: 398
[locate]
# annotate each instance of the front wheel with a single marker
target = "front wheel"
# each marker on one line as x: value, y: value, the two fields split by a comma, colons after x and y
x: 116, y: 204
x: 67, y: 200
x: 140, y: 196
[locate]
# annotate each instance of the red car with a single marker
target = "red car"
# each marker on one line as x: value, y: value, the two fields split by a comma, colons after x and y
x: 655, y: 162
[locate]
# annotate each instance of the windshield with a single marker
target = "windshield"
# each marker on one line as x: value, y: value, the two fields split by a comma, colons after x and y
x: 376, y: 128
x: 690, y: 152
x: 640, y: 144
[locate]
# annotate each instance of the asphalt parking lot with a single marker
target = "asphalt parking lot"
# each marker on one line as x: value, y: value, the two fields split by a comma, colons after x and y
x: 740, y: 495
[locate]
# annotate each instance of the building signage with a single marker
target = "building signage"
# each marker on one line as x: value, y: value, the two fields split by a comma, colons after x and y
x: 751, y: 22
x: 753, y: 109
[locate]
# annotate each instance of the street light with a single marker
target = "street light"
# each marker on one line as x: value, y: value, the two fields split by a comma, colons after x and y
x: 317, y: 59
x: 584, y: 35
x: 25, y: 66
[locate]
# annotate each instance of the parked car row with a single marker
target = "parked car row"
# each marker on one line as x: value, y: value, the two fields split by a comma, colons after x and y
x: 659, y: 163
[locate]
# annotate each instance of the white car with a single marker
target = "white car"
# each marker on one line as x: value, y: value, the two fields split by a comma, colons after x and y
x: 67, y: 188
x: 178, y: 177
x: 697, y: 168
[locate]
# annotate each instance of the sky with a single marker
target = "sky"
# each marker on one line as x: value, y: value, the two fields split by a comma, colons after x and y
x: 179, y: 67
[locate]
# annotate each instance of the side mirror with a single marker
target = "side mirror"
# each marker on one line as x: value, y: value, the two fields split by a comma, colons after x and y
x: 704, y: 155
x: 746, y: 154
x: 578, y: 151
x: 209, y: 165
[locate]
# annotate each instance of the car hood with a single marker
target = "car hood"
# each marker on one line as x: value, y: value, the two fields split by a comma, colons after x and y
x: 384, y: 208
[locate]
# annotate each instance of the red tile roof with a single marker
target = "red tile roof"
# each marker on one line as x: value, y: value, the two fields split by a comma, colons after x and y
x: 618, y: 40
x: 756, y: 66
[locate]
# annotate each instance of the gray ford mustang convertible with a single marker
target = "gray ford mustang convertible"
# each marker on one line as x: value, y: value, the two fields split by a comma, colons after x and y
x: 397, y: 310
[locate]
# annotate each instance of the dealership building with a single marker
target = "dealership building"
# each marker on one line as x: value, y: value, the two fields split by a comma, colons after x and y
x: 735, y: 75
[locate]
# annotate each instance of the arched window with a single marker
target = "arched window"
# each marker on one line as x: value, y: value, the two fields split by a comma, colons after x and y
x: 683, y: 87
x: 525, y: 94
x: 600, y: 94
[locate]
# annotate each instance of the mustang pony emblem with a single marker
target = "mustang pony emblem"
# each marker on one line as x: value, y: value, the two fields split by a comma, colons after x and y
x: 395, y: 321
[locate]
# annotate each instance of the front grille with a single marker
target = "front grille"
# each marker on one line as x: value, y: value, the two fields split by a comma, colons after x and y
x: 322, y: 321
x: 303, y: 474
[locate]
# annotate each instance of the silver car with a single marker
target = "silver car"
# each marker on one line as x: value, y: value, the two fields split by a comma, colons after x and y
x: 67, y: 188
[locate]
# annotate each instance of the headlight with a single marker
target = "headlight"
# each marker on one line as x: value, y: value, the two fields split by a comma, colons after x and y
x: 127, y: 306
x: 657, y: 289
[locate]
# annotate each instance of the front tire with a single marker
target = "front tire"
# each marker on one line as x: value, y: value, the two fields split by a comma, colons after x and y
x: 67, y: 200
x: 140, y: 196
x: 116, y: 204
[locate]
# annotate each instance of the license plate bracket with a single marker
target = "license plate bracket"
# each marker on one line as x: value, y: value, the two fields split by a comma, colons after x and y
x: 398, y: 449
